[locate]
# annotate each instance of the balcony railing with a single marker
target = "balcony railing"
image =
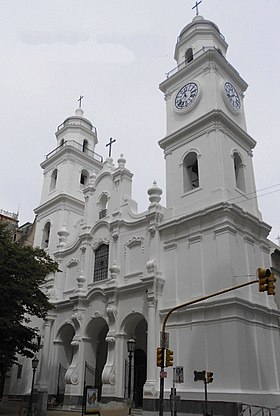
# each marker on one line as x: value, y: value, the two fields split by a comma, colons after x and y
x: 70, y: 121
x: 196, y: 55
x: 78, y: 146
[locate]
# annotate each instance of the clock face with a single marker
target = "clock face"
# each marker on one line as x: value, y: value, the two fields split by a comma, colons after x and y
x: 232, y: 95
x: 186, y: 96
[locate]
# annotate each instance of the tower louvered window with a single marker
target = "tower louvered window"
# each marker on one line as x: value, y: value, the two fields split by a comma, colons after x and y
x: 101, y: 263
x: 191, y: 172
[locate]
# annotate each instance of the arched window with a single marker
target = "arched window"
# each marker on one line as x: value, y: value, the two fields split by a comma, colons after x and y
x: 53, y: 180
x: 239, y: 172
x: 46, y: 235
x: 85, y: 146
x: 103, y: 206
x: 191, y: 174
x: 84, y: 177
x: 101, y: 263
x: 189, y: 55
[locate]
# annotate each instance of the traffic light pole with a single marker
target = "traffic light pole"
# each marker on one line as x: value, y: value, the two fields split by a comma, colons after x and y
x: 161, y: 391
x: 220, y: 292
x: 183, y: 305
x: 206, y: 401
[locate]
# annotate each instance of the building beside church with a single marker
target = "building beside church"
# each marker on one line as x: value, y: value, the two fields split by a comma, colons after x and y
x: 122, y: 271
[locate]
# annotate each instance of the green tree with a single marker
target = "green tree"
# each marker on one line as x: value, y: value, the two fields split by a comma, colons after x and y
x: 22, y: 270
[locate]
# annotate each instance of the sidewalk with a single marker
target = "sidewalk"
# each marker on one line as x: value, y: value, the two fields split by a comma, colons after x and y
x: 18, y: 408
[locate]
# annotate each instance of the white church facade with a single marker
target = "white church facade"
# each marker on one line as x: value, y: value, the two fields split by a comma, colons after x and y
x: 122, y: 271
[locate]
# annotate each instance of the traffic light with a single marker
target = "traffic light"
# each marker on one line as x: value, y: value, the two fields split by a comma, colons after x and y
x: 199, y: 375
x: 263, y: 275
x: 160, y: 357
x: 270, y: 285
x: 209, y: 378
x: 169, y: 358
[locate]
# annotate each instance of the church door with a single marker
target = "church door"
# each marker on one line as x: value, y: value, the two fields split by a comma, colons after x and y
x: 140, y: 375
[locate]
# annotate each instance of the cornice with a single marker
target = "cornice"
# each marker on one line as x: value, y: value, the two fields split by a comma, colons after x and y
x: 211, y: 121
x: 228, y: 302
x: 61, y: 199
x: 68, y: 152
x: 235, y: 218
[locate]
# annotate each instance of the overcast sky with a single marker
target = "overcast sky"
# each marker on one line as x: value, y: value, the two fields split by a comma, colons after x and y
x: 115, y: 53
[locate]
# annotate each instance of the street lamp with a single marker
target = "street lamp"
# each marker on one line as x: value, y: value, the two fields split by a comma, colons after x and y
x: 130, y: 349
x: 34, y: 363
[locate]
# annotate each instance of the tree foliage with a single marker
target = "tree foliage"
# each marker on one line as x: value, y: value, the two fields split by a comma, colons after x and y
x: 22, y: 270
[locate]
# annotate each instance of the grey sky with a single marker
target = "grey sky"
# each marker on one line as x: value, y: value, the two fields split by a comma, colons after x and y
x: 115, y: 53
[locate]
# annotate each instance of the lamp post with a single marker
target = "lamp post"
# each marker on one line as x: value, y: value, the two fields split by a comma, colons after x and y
x: 35, y: 362
x: 130, y: 349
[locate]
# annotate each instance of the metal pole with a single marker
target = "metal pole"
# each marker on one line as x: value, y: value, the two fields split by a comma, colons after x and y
x: 173, y: 396
x: 29, y: 413
x: 129, y: 374
x: 206, y: 402
x: 183, y: 305
x: 161, y: 391
x: 129, y: 380
x: 84, y: 390
x: 220, y: 292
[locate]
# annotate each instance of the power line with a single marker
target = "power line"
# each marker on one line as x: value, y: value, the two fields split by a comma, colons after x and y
x: 251, y: 193
x: 255, y: 193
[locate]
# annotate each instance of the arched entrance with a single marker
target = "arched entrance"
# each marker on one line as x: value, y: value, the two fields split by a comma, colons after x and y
x: 136, y: 327
x: 64, y: 358
x: 96, y: 352
x: 140, y: 375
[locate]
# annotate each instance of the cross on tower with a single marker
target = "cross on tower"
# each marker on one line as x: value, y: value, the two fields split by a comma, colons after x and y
x: 80, y: 101
x: 110, y: 145
x: 196, y: 6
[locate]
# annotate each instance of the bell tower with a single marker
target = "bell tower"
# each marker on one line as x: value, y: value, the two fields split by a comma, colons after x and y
x: 212, y: 234
x: 207, y: 148
x: 67, y: 169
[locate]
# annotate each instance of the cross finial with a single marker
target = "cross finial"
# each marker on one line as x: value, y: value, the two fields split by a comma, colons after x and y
x: 80, y: 101
x: 110, y: 145
x: 196, y: 6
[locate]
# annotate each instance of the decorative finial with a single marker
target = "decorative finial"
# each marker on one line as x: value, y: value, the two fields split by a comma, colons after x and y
x: 196, y: 6
x: 80, y: 101
x: 110, y: 145
x: 121, y: 161
x: 154, y: 193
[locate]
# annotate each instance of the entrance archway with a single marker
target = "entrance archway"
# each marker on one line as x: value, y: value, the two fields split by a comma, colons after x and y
x: 140, y: 375
x: 64, y: 358
x: 96, y: 352
x: 135, y: 326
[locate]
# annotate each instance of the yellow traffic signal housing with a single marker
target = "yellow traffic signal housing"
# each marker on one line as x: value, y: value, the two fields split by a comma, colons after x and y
x: 263, y: 275
x: 270, y: 285
x: 169, y: 358
x: 160, y: 357
x: 209, y: 378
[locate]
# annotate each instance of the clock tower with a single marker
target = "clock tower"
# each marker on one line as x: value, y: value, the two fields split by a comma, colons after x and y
x: 207, y: 148
x: 212, y: 235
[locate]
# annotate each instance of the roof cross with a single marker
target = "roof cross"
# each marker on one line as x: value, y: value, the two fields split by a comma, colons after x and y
x: 80, y: 101
x: 110, y: 145
x: 196, y: 6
